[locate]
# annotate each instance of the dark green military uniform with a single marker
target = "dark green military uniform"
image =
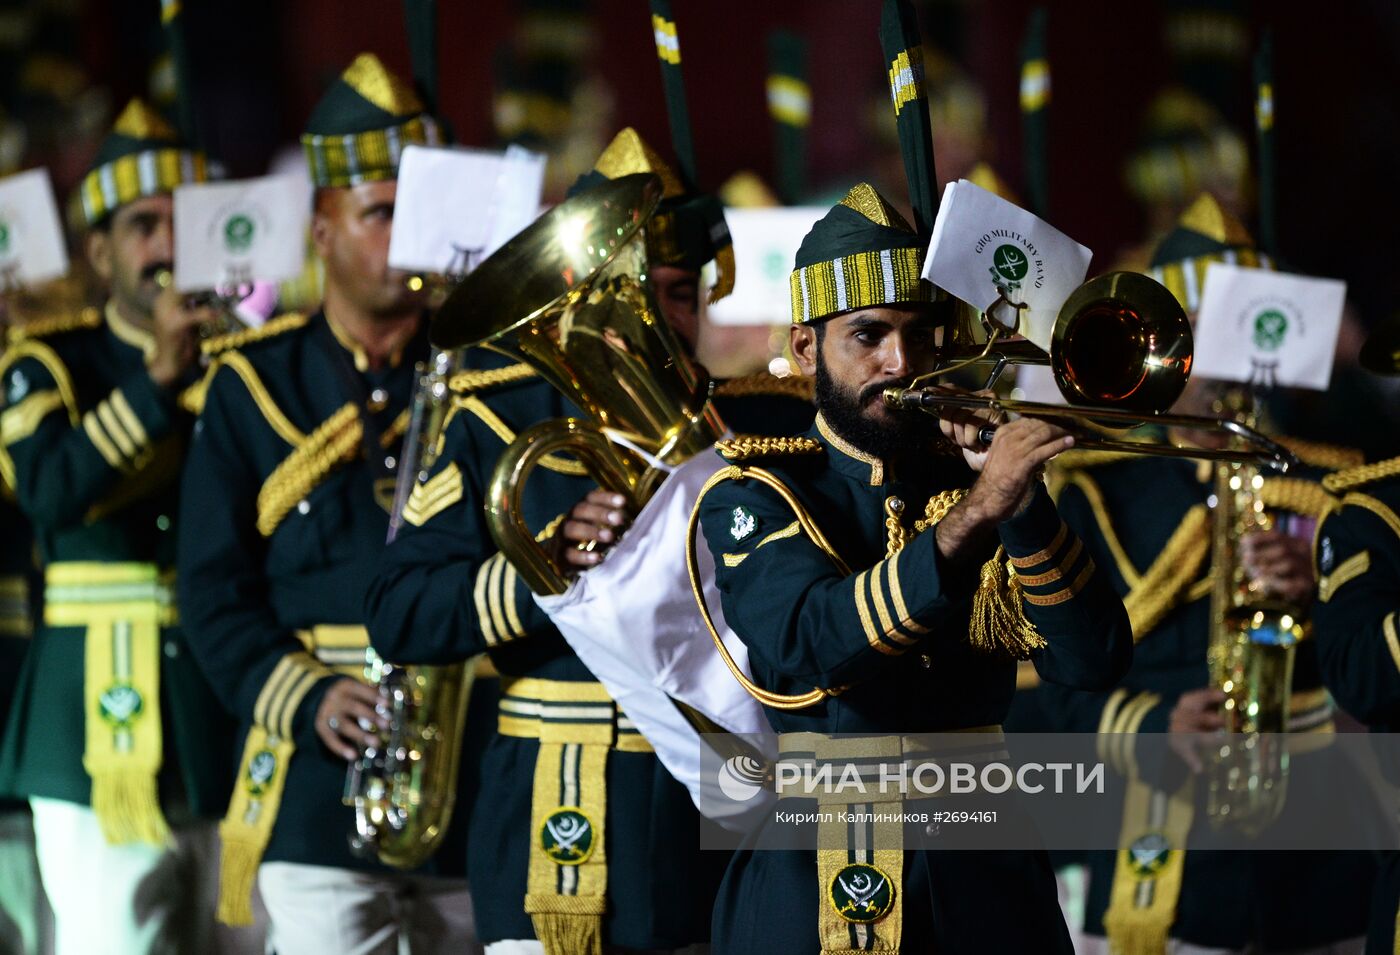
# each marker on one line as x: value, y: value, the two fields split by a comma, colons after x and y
x: 296, y: 444
x: 445, y: 593
x: 94, y: 446
x: 1146, y: 521
x: 1356, y: 623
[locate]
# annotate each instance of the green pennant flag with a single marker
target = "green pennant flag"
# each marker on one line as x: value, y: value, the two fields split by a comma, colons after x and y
x: 1264, y: 128
x: 172, y: 21
x: 668, y: 54
x: 1035, y: 113
x: 790, y: 106
x: 904, y: 57
x: 420, y: 16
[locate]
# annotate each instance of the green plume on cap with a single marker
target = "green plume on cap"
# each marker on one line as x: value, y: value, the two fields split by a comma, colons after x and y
x: 668, y: 54
x: 420, y: 17
x: 1264, y: 127
x: 860, y: 254
x: 790, y: 106
x: 1035, y: 112
x: 173, y: 23
x: 904, y: 56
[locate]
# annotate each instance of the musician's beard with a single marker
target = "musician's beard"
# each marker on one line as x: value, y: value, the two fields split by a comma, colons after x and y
x: 859, y: 419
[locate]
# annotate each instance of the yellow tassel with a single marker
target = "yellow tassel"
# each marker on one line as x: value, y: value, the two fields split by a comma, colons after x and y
x: 1137, y: 932
x: 567, y: 924
x: 238, y: 868
x: 127, y: 807
x: 999, y: 623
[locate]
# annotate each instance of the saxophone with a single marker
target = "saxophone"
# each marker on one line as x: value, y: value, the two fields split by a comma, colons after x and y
x: 403, y: 789
x: 1253, y: 641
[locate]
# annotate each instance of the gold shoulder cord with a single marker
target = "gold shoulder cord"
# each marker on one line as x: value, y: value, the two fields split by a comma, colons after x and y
x: 1365, y: 474
x: 777, y: 701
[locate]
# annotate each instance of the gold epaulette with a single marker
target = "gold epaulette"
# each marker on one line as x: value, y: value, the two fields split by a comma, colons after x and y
x: 474, y: 380
x: 764, y: 383
x: 1364, y: 474
x: 1334, y: 457
x: 268, y: 329
x: 744, y: 447
x: 56, y: 325
x: 1297, y: 495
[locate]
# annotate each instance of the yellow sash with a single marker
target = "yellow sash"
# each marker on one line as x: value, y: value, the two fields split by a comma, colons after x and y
x: 123, y: 607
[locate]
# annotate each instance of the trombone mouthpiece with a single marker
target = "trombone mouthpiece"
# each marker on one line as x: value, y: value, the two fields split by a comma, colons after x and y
x: 904, y: 398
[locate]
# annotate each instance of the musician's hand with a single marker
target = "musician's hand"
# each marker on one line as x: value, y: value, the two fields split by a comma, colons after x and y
x: 176, y: 337
x: 1279, y: 564
x: 346, y: 709
x: 961, y: 425
x: 1196, y: 712
x: 1012, y: 465
x: 594, y: 525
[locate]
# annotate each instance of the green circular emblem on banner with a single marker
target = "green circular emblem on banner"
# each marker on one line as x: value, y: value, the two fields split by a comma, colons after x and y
x: 120, y: 704
x: 238, y: 233
x: 1148, y: 854
x: 261, y: 768
x: 1010, y: 263
x: 861, y: 893
x: 4, y: 237
x: 567, y: 836
x: 1270, y: 327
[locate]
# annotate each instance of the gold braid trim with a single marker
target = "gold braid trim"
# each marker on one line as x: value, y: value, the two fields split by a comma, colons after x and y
x: 1297, y: 495
x: 744, y: 447
x: 1334, y: 457
x: 479, y: 380
x: 68, y: 322
x: 269, y: 329
x: 1171, y: 574
x: 1365, y: 474
x: 764, y: 383
x: 335, y: 441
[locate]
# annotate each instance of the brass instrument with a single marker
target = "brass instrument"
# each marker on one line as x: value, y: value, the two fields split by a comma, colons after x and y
x: 1253, y: 642
x: 1121, y: 355
x: 224, y: 304
x: 570, y: 296
x: 404, y: 789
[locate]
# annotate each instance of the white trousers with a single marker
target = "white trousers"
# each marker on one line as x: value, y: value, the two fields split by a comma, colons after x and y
x: 318, y: 910
x: 133, y: 899
x: 26, y: 925
x: 1098, y: 945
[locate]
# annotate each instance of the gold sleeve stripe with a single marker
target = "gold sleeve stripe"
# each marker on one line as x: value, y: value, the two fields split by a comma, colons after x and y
x: 23, y: 419
x: 1391, y: 641
x: 508, y: 597
x: 1106, y: 720
x: 286, y: 687
x: 1041, y: 556
x: 104, y: 445
x: 734, y: 560
x: 128, y: 418
x: 115, y: 431
x: 872, y: 636
x: 1130, y: 720
x: 1060, y: 596
x: 1054, y: 573
x: 792, y: 530
x: 270, y: 689
x: 1347, y: 571
x: 897, y: 598
x: 877, y: 590
x: 483, y: 616
x: 493, y: 594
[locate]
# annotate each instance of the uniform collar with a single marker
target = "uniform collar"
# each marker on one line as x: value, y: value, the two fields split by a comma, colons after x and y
x: 850, y: 460
x: 359, y: 355
x: 136, y: 337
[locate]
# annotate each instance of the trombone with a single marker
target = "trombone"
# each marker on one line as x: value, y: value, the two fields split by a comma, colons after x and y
x: 225, y: 303
x: 1121, y: 355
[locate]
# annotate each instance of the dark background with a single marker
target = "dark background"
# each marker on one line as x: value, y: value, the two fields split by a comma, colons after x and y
x: 261, y: 64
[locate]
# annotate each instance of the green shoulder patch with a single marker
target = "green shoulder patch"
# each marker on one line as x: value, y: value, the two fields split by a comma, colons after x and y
x: 567, y: 836
x: 743, y: 447
x: 745, y: 524
x: 861, y: 893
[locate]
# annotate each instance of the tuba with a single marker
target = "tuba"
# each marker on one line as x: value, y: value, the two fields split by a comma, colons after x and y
x: 403, y: 790
x: 570, y: 296
x: 1253, y: 641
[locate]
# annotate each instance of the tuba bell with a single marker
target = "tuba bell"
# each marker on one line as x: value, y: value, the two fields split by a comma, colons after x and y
x: 570, y: 297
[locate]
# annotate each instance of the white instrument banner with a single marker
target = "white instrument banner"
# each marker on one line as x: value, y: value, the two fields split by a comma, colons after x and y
x: 457, y: 206
x: 239, y: 232
x: 765, y: 245
x: 633, y: 622
x: 1268, y: 328
x: 31, y: 233
x: 984, y: 247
